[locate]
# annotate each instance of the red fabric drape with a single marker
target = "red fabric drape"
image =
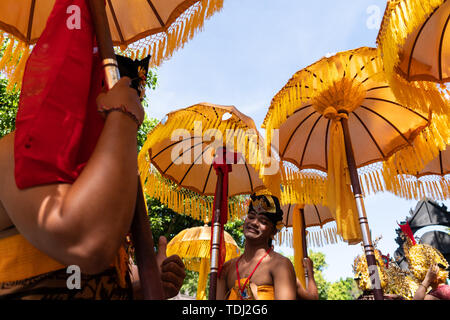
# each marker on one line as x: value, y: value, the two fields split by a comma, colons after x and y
x: 57, y: 125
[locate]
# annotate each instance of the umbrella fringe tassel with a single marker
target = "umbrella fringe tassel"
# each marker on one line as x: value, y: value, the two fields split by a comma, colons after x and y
x: 185, y: 201
x: 181, y: 31
x: 13, y: 60
x: 326, y: 235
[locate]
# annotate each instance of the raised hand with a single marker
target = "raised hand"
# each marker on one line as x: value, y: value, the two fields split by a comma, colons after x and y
x: 171, y: 268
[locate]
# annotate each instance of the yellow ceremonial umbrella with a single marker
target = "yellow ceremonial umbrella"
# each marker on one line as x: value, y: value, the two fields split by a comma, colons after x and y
x: 138, y: 27
x: 414, y: 40
x: 193, y: 245
x: 184, y: 144
x: 211, y: 150
x: 340, y: 114
x: 299, y: 218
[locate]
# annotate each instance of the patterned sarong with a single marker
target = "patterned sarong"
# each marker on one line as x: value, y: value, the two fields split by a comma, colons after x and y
x: 53, y: 286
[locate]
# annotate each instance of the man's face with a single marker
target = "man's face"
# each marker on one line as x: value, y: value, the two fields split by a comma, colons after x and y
x: 257, y: 226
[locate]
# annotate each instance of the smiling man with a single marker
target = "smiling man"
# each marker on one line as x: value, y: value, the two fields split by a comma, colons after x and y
x: 259, y: 273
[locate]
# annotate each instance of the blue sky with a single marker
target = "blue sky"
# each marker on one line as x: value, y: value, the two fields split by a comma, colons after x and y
x: 245, y: 55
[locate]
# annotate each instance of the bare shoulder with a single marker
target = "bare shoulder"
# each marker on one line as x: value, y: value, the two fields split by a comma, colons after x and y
x: 279, y: 258
x: 227, y: 267
x: 279, y: 261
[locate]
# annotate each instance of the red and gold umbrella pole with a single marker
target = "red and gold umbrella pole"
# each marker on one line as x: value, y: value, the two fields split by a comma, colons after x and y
x: 369, y: 249
x: 304, y: 245
x: 223, y: 166
x: 149, y: 274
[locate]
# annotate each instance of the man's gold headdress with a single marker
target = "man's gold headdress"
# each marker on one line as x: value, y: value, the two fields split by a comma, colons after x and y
x: 269, y: 206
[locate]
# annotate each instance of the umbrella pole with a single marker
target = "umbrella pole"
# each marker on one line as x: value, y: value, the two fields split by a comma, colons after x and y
x: 215, y: 246
x: 364, y: 224
x: 149, y: 275
x: 304, y: 245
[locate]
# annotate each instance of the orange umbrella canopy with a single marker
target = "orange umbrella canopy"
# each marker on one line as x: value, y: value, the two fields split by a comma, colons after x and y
x: 138, y: 27
x: 352, y: 80
x: 183, y: 145
x: 414, y: 40
x: 433, y: 181
x: 423, y: 41
x: 319, y: 222
x: 316, y: 215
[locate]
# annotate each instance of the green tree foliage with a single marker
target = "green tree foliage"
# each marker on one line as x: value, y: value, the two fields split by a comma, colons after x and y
x: 166, y: 222
x: 344, y: 289
x: 146, y: 127
x: 234, y: 228
x: 9, y: 103
x: 318, y: 259
x: 190, y: 284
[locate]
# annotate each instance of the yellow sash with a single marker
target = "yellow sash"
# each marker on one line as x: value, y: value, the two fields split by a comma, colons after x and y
x: 264, y: 292
x: 20, y: 260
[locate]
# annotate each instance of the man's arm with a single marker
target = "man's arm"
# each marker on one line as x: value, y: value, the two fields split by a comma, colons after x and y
x: 84, y: 223
x: 311, y: 293
x: 284, y: 279
x: 222, y: 287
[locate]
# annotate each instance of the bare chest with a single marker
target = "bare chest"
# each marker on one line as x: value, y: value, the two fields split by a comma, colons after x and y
x: 259, y: 275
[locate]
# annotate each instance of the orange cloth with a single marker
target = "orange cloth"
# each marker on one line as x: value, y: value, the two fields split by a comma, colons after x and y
x: 264, y: 292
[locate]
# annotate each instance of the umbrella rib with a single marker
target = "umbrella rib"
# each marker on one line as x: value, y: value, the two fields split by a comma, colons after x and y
x: 116, y: 22
x: 318, y: 215
x: 30, y: 20
x: 398, y: 105
x: 170, y: 146
x: 326, y: 144
x: 370, y: 134
x: 362, y: 68
x: 290, y: 138
x: 197, y: 112
x: 182, y: 154
x: 302, y: 108
x: 207, y: 178
x: 314, y: 75
x: 390, y: 123
x: 440, y: 48
x: 249, y: 176
x: 192, y: 165
x: 309, y: 137
x: 376, y: 88
x: 161, y: 22
x: 415, y: 43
